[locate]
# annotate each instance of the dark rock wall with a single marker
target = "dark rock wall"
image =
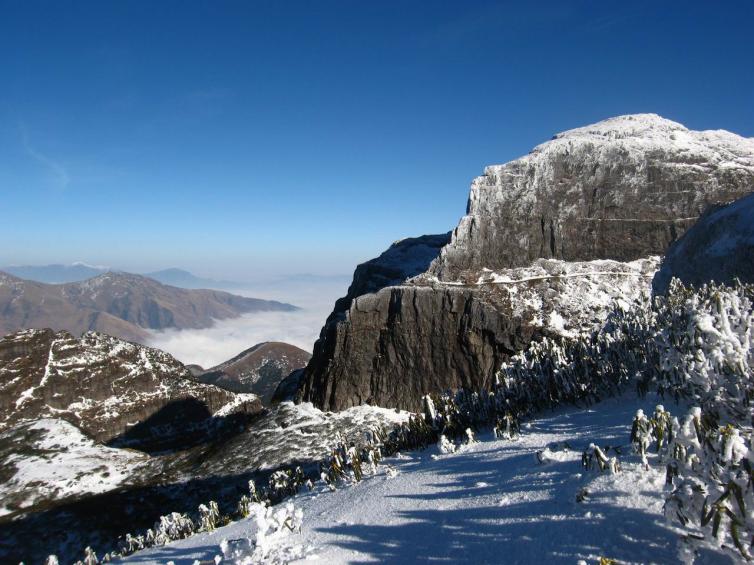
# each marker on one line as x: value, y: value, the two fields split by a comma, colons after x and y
x: 401, y: 342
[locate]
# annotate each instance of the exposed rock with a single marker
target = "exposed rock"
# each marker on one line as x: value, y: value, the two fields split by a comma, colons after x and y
x: 288, y: 387
x: 599, y: 196
x: 110, y: 389
x: 720, y: 248
x: 620, y: 189
x: 118, y: 304
x: 257, y: 370
x: 399, y: 343
x: 403, y: 259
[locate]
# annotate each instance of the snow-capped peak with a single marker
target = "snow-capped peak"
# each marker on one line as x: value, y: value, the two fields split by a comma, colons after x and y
x: 629, y: 125
x: 643, y: 131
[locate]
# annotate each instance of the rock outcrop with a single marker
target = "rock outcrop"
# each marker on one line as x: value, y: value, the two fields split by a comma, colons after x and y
x: 566, y: 220
x: 621, y: 189
x: 110, y: 389
x: 719, y: 248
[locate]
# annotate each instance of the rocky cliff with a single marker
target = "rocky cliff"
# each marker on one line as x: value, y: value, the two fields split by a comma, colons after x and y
x: 620, y: 189
x: 110, y: 389
x: 550, y: 242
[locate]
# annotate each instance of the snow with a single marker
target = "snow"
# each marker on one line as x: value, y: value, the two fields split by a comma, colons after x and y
x: 298, y: 433
x: 238, y: 400
x: 63, y: 462
x: 565, y: 298
x: 489, y: 502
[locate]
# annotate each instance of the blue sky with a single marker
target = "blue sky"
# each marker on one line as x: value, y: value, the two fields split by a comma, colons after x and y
x: 243, y: 139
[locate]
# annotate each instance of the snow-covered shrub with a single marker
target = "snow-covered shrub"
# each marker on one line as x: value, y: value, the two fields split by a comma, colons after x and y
x: 90, y: 557
x: 470, y: 437
x: 209, y: 516
x: 267, y: 540
x: 594, y: 457
x: 445, y: 445
x: 168, y: 528
x: 710, y: 471
x: 692, y: 343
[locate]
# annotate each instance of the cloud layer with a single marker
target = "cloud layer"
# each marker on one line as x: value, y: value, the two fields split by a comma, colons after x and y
x: 227, y: 338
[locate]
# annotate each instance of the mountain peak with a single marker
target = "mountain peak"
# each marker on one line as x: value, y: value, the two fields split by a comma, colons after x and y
x: 628, y: 125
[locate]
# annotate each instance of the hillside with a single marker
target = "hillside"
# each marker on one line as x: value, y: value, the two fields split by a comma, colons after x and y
x: 119, y: 304
x: 257, y: 370
x: 113, y: 390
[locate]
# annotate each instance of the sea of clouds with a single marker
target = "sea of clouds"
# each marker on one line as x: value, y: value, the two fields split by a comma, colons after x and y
x: 208, y: 347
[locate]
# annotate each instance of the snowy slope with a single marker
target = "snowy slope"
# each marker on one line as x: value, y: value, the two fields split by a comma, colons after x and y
x: 491, y: 502
x: 57, y: 462
x: 720, y: 247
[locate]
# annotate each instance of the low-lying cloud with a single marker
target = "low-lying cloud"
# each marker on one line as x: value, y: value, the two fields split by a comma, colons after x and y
x: 211, y: 346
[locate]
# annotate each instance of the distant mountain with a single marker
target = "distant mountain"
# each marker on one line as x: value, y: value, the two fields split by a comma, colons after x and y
x: 185, y: 279
x: 119, y: 304
x: 258, y: 370
x: 76, y: 272
x: 55, y: 274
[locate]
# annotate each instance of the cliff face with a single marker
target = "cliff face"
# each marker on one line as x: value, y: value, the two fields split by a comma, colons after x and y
x: 591, y: 200
x: 620, y: 189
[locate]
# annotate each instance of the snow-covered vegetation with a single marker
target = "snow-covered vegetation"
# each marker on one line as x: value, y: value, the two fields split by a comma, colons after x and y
x: 694, y: 347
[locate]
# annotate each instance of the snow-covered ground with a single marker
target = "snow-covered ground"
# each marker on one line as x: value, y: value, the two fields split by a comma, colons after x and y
x: 490, y: 502
x: 566, y: 298
x: 58, y: 461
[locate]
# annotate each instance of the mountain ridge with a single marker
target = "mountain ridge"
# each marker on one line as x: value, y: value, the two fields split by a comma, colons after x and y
x: 122, y: 304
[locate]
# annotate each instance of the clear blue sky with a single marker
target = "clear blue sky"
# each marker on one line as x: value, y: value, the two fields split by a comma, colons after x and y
x: 246, y: 138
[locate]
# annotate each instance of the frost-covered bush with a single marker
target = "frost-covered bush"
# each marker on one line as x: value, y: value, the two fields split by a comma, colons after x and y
x: 709, y: 469
x: 706, y: 343
x: 209, y: 515
x: 270, y: 527
x: 594, y: 457
x: 692, y: 343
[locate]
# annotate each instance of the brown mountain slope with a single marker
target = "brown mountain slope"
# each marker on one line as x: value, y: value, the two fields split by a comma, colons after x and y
x: 119, y: 304
x: 258, y: 370
x: 109, y: 388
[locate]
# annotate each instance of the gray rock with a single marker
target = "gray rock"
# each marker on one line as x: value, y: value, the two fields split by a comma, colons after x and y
x: 622, y: 189
x: 719, y: 248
